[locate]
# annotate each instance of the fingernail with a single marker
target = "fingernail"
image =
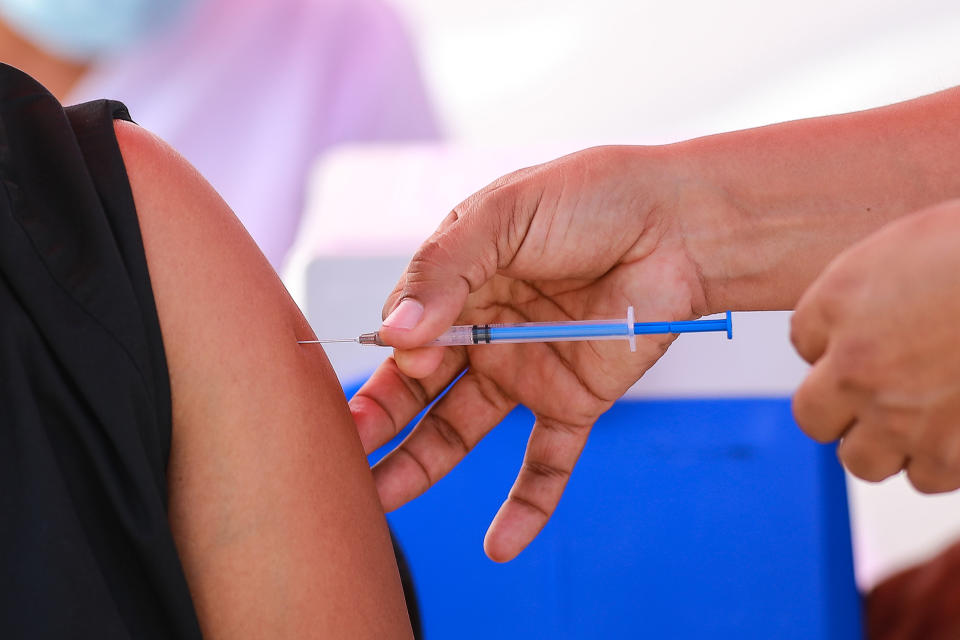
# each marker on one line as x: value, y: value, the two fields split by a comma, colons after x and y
x: 405, y: 316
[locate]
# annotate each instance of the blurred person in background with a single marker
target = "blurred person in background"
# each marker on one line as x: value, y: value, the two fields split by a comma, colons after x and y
x: 251, y: 92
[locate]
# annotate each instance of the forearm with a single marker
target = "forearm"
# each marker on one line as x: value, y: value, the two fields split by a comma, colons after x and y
x: 777, y: 203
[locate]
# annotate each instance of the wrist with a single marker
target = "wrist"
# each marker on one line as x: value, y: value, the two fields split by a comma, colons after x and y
x: 735, y: 244
x: 764, y: 210
x: 753, y: 249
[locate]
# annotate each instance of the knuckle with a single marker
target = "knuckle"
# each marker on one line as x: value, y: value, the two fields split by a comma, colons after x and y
x: 801, y: 407
x: 926, y: 480
x: 828, y: 300
x: 928, y: 475
x: 529, y: 505
x: 435, y: 257
x: 806, y: 333
x: 854, y: 364
x: 854, y: 466
x: 798, y: 328
x: 509, y: 206
x: 909, y: 425
x: 839, y: 288
x: 371, y: 401
x: 949, y: 458
x: 890, y: 428
x: 492, y: 393
x: 863, y: 464
x: 567, y: 428
x: 941, y: 459
x: 848, y: 455
x: 545, y: 470
x: 452, y: 218
x: 453, y: 438
x: 428, y: 479
x: 806, y: 412
x: 818, y: 434
x: 870, y: 473
x: 416, y: 392
x: 430, y: 254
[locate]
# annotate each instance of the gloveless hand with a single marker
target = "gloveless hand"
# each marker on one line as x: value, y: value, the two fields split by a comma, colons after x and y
x: 581, y: 237
x: 743, y: 221
x: 880, y: 327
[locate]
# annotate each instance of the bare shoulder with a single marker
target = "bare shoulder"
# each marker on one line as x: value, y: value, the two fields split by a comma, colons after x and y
x: 272, y: 504
x: 201, y: 258
x: 144, y: 153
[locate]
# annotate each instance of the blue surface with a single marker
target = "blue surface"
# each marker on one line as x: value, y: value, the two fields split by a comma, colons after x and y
x: 683, y: 519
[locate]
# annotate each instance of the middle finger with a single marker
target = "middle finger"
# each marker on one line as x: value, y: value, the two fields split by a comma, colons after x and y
x: 473, y: 406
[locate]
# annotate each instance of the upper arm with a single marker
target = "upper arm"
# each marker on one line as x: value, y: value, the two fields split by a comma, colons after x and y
x: 272, y: 504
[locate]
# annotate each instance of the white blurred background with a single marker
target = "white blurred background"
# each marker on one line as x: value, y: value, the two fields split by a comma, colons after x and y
x: 314, y: 113
x: 517, y: 81
x: 628, y: 71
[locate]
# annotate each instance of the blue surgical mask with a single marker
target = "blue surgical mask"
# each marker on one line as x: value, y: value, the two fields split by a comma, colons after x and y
x: 85, y: 29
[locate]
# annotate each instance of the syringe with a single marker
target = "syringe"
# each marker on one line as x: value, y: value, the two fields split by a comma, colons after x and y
x: 562, y: 331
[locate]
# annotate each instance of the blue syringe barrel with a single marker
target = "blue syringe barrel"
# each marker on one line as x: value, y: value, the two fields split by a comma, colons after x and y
x: 573, y: 331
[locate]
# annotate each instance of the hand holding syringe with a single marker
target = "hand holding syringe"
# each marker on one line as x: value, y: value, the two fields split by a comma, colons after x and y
x: 583, y: 236
x: 562, y: 331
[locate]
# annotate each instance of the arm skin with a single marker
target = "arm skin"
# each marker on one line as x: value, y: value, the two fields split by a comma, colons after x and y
x: 272, y: 505
x: 742, y: 221
x: 796, y: 194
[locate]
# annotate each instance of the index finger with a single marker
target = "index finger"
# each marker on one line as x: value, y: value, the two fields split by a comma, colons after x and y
x: 390, y: 399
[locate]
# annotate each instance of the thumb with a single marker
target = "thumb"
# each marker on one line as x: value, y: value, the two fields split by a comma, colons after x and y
x: 473, y: 242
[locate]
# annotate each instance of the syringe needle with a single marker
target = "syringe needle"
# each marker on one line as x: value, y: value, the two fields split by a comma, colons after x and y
x: 326, y: 340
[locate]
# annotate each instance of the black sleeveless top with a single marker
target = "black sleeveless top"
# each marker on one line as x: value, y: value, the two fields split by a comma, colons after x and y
x: 85, y: 418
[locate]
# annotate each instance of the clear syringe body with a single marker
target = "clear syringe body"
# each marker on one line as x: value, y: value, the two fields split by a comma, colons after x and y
x: 563, y: 331
x: 505, y: 333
